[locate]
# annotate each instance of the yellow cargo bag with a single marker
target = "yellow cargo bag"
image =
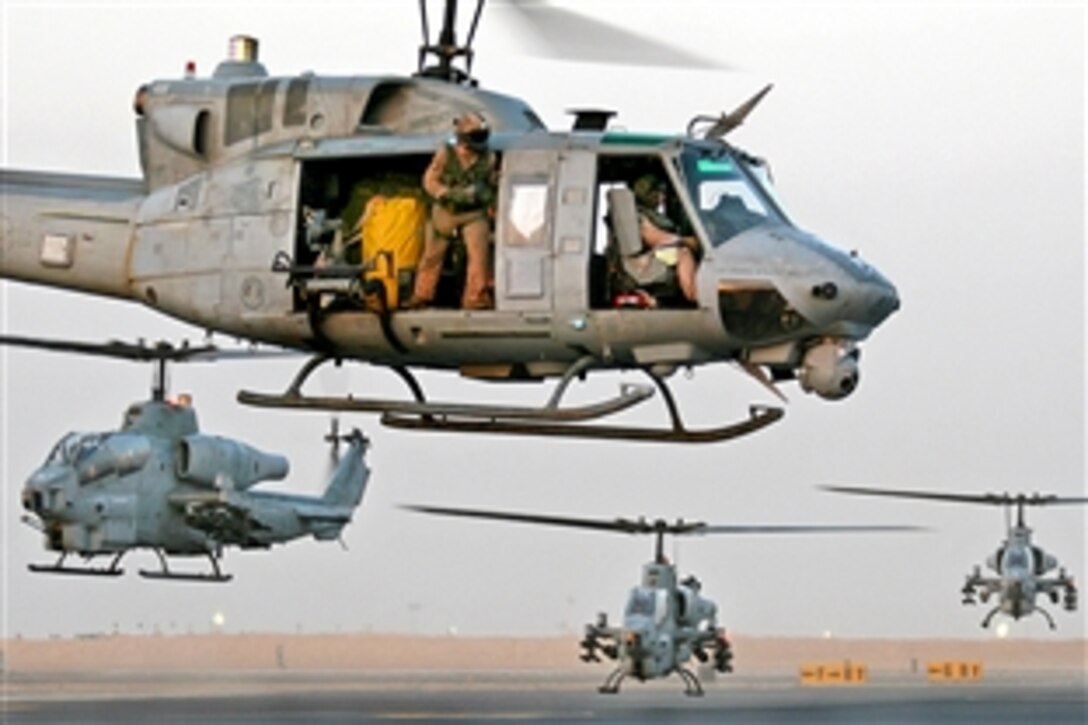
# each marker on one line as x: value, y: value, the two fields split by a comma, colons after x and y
x: 392, y: 238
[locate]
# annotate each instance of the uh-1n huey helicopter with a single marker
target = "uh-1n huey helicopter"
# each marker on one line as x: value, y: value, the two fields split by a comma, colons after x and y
x: 251, y: 219
x: 666, y: 621
x: 159, y: 483
x: 1021, y: 566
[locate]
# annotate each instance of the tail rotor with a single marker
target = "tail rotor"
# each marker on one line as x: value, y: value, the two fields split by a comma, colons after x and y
x: 334, y: 381
x: 334, y: 439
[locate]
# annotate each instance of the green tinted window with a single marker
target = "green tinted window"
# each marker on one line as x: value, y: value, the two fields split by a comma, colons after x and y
x: 723, y: 166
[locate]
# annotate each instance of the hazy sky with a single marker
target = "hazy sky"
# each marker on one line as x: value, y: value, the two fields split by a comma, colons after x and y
x: 943, y: 141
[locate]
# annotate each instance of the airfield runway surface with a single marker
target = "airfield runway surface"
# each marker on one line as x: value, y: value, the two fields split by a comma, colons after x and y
x: 545, y: 697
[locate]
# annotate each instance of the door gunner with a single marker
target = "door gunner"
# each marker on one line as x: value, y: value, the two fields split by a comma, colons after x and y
x: 461, y: 183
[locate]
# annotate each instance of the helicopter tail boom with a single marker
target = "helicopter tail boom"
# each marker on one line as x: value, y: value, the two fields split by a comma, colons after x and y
x: 68, y: 231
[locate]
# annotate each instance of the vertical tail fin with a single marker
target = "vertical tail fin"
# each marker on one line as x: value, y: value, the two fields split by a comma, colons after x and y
x: 348, y: 482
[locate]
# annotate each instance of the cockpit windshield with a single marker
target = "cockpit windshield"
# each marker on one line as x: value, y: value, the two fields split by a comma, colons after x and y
x: 728, y: 193
x: 74, y: 448
x: 1015, y: 559
x: 649, y: 603
x: 641, y: 602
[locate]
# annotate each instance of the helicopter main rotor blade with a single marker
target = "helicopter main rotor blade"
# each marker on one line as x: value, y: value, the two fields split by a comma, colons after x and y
x: 994, y: 499
x: 141, y: 351
x: 627, y: 526
x: 572, y: 36
x: 643, y: 526
x: 802, y: 529
x: 114, y: 348
x: 985, y: 498
x: 1037, y: 500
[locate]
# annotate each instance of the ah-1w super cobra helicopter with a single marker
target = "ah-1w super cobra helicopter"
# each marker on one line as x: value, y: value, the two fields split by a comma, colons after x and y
x: 158, y: 483
x: 1020, y: 565
x: 252, y: 187
x: 667, y: 621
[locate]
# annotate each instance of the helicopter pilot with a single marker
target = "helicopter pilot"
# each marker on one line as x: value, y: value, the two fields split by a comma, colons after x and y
x: 661, y: 235
x: 461, y: 184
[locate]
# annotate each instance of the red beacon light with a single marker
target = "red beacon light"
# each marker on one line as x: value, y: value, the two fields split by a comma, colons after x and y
x: 190, y: 69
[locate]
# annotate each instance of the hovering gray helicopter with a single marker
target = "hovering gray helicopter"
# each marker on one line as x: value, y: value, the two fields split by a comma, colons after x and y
x: 246, y: 221
x: 159, y: 483
x: 1019, y: 564
x: 667, y: 621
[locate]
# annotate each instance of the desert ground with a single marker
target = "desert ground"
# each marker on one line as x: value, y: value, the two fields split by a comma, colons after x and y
x: 258, y: 678
x: 376, y: 653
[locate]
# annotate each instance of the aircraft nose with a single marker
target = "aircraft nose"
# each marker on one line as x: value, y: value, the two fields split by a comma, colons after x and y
x: 32, y: 500
x: 855, y: 295
x: 881, y: 299
x: 42, y: 487
x: 803, y: 279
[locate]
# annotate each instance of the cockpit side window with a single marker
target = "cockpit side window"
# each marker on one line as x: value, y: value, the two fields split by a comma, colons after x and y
x: 58, y: 456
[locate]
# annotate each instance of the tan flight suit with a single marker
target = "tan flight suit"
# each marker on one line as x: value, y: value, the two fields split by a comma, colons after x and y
x: 461, y: 199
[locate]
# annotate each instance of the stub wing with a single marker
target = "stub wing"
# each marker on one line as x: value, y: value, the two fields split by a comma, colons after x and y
x: 224, y: 516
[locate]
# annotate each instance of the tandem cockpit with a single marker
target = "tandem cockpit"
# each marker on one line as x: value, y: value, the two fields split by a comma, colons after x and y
x: 95, y: 455
x: 74, y: 448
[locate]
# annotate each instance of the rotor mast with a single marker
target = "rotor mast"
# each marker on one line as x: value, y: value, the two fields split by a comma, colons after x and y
x: 1020, y: 501
x: 447, y: 49
x: 659, y: 548
x: 159, y: 380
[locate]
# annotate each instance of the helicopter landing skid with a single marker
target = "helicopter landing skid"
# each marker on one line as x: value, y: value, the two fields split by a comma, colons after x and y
x: 611, y: 685
x: 59, y: 568
x: 759, y: 416
x: 692, y: 687
x: 547, y: 420
x: 989, y: 616
x: 216, y: 576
